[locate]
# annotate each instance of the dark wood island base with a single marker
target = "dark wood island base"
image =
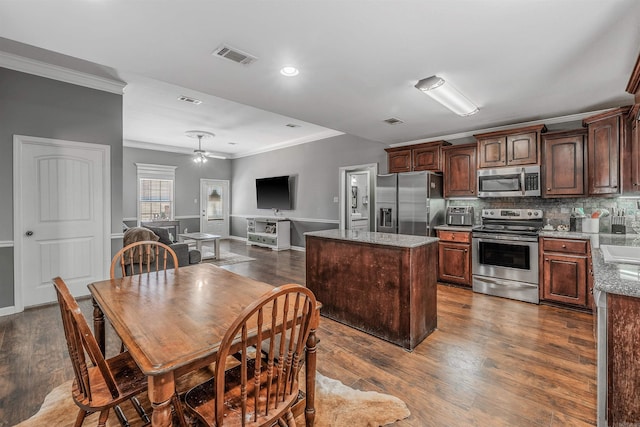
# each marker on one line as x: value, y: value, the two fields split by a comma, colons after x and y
x: 382, y: 284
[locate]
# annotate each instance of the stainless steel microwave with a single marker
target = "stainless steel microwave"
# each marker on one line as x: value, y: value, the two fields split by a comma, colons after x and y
x: 509, y: 182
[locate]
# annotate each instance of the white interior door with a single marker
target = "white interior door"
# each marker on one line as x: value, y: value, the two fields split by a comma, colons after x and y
x: 214, y: 207
x: 62, y: 216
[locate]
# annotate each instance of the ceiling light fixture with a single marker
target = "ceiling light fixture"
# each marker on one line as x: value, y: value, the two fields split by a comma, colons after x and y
x: 289, y: 71
x: 201, y: 155
x: 438, y: 89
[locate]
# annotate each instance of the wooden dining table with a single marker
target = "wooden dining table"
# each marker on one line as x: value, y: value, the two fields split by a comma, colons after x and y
x: 172, y: 323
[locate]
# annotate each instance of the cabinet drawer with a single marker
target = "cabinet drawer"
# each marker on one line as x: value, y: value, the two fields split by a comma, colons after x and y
x: 455, y: 236
x: 567, y: 246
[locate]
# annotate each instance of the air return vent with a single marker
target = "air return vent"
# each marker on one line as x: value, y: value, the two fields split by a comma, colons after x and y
x: 233, y: 54
x: 189, y: 100
x: 393, y: 121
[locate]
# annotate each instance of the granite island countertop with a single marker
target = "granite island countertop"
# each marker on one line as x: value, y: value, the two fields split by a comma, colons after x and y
x: 621, y: 279
x: 388, y: 239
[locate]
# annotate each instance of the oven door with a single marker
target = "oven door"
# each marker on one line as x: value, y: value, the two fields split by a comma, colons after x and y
x: 504, y: 258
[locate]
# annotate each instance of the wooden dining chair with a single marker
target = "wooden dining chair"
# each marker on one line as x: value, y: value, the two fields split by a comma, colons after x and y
x: 99, y: 384
x: 261, y: 390
x: 143, y: 257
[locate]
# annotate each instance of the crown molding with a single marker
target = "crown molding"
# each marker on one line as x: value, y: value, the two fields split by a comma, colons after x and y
x: 310, y: 138
x: 549, y: 121
x: 50, y: 71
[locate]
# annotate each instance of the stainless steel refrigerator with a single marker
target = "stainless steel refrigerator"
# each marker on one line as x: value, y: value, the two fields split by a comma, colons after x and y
x: 409, y: 203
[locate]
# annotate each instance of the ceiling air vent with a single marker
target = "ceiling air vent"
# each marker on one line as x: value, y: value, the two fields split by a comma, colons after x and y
x: 189, y: 100
x: 233, y: 54
x: 393, y: 121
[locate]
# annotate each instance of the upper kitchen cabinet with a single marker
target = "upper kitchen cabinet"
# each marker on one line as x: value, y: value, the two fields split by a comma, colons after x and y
x: 563, y: 170
x: 399, y: 159
x: 459, y: 169
x: 632, y: 183
x: 511, y: 147
x: 417, y: 157
x: 607, y: 134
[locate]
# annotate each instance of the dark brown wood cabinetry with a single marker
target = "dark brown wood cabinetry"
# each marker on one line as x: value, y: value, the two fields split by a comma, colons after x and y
x: 631, y: 182
x: 454, y: 257
x: 606, y: 138
x: 623, y: 367
x: 417, y: 157
x: 566, y: 271
x: 390, y: 292
x: 512, y: 147
x: 399, y: 159
x: 459, y: 169
x: 563, y: 170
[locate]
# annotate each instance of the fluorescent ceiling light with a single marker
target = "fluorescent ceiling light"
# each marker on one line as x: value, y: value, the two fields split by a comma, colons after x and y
x: 289, y: 71
x: 438, y: 89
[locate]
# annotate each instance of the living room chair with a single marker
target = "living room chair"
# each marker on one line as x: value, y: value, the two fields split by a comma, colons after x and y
x: 262, y: 389
x: 143, y: 257
x: 99, y: 384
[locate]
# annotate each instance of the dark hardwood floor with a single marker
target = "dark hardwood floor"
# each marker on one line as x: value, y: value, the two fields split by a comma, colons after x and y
x: 491, y: 362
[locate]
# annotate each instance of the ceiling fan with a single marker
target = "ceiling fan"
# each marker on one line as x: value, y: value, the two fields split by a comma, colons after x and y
x: 200, y: 154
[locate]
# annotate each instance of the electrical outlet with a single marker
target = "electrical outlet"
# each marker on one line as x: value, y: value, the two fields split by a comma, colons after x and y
x: 195, y: 201
x: 335, y: 200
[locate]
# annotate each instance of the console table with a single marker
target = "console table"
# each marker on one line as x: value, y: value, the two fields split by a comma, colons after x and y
x: 274, y: 233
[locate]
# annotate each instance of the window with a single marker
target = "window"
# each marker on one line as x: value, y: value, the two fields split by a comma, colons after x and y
x: 155, y: 192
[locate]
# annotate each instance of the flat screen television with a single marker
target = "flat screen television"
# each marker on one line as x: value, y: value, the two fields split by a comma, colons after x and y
x: 273, y: 193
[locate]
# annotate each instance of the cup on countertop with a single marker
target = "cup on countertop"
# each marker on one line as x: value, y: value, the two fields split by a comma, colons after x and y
x: 591, y: 225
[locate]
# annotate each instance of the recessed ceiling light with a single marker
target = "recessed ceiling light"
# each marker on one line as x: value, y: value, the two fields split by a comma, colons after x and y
x: 289, y: 71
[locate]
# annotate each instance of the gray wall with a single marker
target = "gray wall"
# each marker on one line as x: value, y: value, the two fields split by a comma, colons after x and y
x: 315, y: 170
x: 188, y: 175
x: 41, y: 107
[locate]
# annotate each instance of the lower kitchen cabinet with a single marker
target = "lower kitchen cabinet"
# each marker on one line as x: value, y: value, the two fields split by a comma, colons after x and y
x: 566, y: 272
x: 454, y: 257
x: 623, y: 367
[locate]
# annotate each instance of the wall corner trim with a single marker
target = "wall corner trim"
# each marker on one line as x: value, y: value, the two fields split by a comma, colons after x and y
x: 67, y: 75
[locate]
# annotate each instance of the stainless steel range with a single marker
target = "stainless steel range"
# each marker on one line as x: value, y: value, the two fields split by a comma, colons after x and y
x: 505, y: 253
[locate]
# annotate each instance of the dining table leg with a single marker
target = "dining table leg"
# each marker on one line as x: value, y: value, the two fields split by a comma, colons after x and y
x: 310, y: 363
x: 161, y: 389
x: 98, y: 326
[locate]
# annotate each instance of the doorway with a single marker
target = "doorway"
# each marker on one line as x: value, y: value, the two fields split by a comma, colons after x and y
x: 214, y: 207
x: 357, y: 197
x: 62, y: 216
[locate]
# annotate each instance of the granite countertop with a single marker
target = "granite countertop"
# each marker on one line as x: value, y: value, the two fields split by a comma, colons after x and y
x: 454, y: 227
x: 621, y: 279
x: 388, y: 239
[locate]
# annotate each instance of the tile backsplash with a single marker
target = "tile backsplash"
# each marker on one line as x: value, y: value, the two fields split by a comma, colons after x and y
x: 558, y: 211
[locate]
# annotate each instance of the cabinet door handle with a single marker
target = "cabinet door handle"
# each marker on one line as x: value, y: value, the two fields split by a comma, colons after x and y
x: 548, y: 189
x: 546, y: 259
x: 465, y: 251
x: 564, y: 246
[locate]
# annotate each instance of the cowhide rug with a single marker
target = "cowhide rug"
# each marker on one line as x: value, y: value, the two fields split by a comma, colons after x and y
x: 336, y: 405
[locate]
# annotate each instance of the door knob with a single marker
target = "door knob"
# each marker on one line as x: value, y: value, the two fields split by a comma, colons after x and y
x: 29, y: 233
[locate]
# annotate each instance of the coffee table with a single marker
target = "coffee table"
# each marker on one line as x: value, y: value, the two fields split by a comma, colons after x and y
x: 201, y: 240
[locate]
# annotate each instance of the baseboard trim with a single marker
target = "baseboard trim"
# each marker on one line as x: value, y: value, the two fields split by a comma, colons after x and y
x: 6, y: 311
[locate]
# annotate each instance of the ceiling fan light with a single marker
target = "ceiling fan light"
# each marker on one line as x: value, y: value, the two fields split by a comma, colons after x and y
x: 447, y: 95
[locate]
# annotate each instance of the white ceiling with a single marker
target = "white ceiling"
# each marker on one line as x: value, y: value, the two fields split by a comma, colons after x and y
x: 518, y: 60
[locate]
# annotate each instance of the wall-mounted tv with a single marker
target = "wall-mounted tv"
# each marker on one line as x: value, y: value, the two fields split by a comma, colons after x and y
x: 273, y: 193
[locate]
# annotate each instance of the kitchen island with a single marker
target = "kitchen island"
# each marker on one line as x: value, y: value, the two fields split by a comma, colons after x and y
x: 380, y: 283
